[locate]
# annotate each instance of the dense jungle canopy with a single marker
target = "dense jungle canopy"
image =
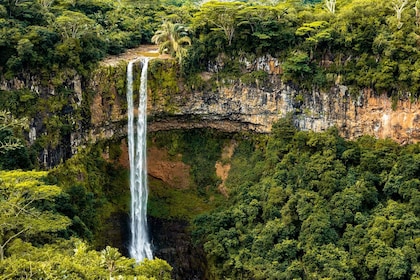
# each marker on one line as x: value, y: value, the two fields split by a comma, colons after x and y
x: 358, y: 43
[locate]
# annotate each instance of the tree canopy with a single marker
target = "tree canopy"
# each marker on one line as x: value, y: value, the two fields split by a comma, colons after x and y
x: 361, y: 44
x: 33, y: 243
x: 313, y: 206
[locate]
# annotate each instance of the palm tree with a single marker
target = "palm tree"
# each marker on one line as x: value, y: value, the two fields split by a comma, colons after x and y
x: 172, y: 38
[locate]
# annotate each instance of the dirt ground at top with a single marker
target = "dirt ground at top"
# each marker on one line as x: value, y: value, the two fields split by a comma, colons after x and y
x: 130, y: 54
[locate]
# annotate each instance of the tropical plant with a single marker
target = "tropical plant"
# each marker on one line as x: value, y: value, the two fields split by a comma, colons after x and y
x: 172, y: 38
x: 221, y: 16
x: 74, y: 259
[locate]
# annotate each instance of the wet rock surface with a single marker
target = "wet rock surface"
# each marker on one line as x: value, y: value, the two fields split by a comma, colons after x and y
x: 172, y: 242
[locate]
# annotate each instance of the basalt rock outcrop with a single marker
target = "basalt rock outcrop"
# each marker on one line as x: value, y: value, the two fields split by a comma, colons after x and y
x: 232, y: 105
x: 228, y: 105
x: 172, y: 242
x: 50, y: 102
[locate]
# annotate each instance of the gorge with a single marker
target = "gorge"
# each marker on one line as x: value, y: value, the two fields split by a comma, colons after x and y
x: 238, y: 107
x: 228, y: 106
x: 274, y: 139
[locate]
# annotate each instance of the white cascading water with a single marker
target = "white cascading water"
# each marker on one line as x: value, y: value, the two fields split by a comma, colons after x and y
x: 140, y: 246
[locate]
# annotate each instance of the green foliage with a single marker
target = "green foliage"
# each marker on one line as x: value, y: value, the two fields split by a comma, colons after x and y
x: 116, y: 85
x: 73, y: 24
x: 255, y: 78
x: 219, y: 17
x: 33, y: 225
x: 21, y: 193
x: 14, y: 153
x: 172, y: 38
x: 154, y: 269
x: 54, y: 36
x: 297, y: 67
x: 163, y: 83
x: 362, y: 42
x: 167, y: 202
x: 307, y: 205
x: 8, y: 125
x: 199, y: 148
x: 94, y: 189
x: 74, y: 259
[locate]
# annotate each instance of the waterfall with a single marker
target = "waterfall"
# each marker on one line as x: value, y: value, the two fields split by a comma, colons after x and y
x: 140, y: 247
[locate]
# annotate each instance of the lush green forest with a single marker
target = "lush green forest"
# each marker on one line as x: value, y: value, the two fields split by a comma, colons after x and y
x: 362, y: 44
x: 37, y: 239
x: 306, y: 205
x: 301, y: 205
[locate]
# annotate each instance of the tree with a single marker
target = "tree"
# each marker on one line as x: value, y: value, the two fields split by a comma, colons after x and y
x: 8, y: 122
x: 399, y: 6
x: 330, y: 5
x: 154, y: 269
x: 258, y: 18
x: 112, y: 260
x: 73, y: 259
x: 297, y: 66
x: 220, y: 16
x: 328, y: 262
x: 46, y: 3
x: 417, y: 10
x: 259, y: 26
x: 73, y: 24
x: 316, y: 32
x: 172, y: 38
x: 19, y: 217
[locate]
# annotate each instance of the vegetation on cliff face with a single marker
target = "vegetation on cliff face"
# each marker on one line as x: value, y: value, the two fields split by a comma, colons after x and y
x: 199, y: 149
x: 307, y: 205
x: 164, y: 83
x: 54, y: 47
x: 13, y: 151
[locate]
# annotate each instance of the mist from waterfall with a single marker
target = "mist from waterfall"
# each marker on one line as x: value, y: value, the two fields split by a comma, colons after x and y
x: 140, y: 246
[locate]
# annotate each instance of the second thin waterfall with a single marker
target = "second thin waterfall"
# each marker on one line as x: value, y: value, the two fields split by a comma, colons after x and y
x: 140, y: 247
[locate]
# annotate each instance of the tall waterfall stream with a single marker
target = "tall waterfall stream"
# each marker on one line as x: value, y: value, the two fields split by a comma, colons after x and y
x: 140, y: 246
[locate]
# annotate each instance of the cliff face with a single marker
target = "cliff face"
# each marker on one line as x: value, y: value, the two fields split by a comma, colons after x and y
x: 96, y: 109
x: 54, y: 107
x: 235, y: 106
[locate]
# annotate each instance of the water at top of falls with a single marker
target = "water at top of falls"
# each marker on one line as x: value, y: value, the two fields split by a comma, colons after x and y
x: 140, y: 246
